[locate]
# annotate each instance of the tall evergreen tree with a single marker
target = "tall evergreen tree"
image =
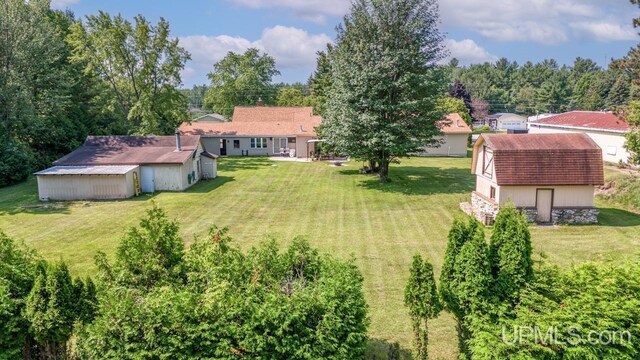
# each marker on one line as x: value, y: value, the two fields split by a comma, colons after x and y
x: 510, y: 255
x: 421, y: 297
x: 385, y: 81
x: 620, y: 92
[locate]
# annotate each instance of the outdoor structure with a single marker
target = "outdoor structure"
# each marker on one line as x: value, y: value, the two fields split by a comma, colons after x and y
x: 454, y: 140
x: 552, y: 177
x: 210, y: 118
x: 260, y: 131
x: 118, y: 167
x: 507, y: 121
x: 605, y: 128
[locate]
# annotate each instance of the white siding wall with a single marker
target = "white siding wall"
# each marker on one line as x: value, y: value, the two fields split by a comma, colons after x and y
x: 563, y: 196
x: 212, y: 145
x: 453, y: 145
x: 608, y: 142
x: 209, y: 168
x: 85, y: 187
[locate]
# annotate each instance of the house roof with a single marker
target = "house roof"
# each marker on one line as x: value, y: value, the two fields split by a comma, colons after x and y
x: 588, y: 120
x: 454, y: 124
x: 130, y: 150
x: 543, y: 159
x: 88, y: 170
x: 507, y: 116
x: 215, y: 117
x: 260, y: 121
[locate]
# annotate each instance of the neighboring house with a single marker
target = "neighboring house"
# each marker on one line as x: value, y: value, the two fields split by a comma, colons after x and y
x: 507, y: 121
x: 454, y: 139
x: 118, y: 167
x: 260, y: 130
x: 210, y: 118
x: 550, y: 176
x: 605, y: 128
x: 534, y: 118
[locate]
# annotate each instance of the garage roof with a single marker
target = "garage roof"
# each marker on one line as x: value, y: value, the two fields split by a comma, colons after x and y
x: 88, y: 170
x: 131, y: 150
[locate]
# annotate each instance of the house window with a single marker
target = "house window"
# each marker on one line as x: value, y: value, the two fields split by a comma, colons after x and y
x: 492, y: 193
x: 258, y: 143
x: 612, y: 150
x: 292, y: 140
x: 236, y: 144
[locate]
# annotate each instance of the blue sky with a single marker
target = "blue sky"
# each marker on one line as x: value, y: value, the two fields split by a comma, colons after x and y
x: 293, y: 30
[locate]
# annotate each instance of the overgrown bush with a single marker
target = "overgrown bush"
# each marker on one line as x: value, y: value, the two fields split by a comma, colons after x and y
x: 215, y: 301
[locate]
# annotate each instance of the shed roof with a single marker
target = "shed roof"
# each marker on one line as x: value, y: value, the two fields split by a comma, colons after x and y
x: 88, y: 170
x: 131, y: 150
x: 454, y: 124
x: 590, y: 120
x: 260, y: 121
x: 543, y: 159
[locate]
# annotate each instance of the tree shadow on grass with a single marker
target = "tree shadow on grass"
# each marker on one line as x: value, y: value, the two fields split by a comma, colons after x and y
x: 618, y: 217
x: 230, y: 164
x: 411, y: 180
x: 378, y: 349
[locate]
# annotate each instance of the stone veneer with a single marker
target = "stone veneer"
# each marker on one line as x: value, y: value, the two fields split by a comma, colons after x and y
x: 482, y: 207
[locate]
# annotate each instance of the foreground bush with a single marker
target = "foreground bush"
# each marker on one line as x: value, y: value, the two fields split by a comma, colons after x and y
x: 214, y: 301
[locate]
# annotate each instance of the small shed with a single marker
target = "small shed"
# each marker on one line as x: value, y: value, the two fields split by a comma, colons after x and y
x: 552, y: 177
x: 454, y: 139
x: 87, y: 182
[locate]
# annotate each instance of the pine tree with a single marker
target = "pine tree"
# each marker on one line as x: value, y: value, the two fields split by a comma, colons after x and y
x: 421, y: 297
x: 620, y: 92
x: 510, y: 254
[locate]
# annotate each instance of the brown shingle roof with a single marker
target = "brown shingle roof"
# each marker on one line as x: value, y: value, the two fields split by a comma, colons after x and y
x: 260, y: 121
x: 454, y: 124
x: 131, y: 150
x: 543, y: 159
x: 587, y: 120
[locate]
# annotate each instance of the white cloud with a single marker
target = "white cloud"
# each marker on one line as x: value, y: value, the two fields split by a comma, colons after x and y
x: 467, y: 52
x: 541, y: 21
x: 62, y: 4
x: 604, y: 32
x: 292, y: 48
x: 315, y: 11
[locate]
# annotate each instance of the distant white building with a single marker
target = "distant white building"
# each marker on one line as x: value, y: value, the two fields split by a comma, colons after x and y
x: 605, y: 128
x: 507, y: 121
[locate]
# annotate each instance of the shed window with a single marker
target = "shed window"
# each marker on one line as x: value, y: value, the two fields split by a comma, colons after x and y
x: 487, y: 163
x: 258, y: 143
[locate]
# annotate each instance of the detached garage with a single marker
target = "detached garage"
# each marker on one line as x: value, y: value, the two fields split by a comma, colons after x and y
x: 88, y: 182
x: 117, y: 167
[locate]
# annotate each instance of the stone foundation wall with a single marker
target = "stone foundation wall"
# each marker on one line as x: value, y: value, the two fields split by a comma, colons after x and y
x: 575, y: 216
x: 483, y: 207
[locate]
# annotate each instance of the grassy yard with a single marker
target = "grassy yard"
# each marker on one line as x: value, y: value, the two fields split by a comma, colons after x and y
x: 337, y: 209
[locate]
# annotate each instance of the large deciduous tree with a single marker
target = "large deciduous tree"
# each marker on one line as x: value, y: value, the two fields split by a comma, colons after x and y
x: 382, y: 103
x: 140, y: 63
x: 241, y: 79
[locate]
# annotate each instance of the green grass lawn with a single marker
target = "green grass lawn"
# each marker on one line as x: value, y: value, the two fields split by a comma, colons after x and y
x: 337, y: 209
